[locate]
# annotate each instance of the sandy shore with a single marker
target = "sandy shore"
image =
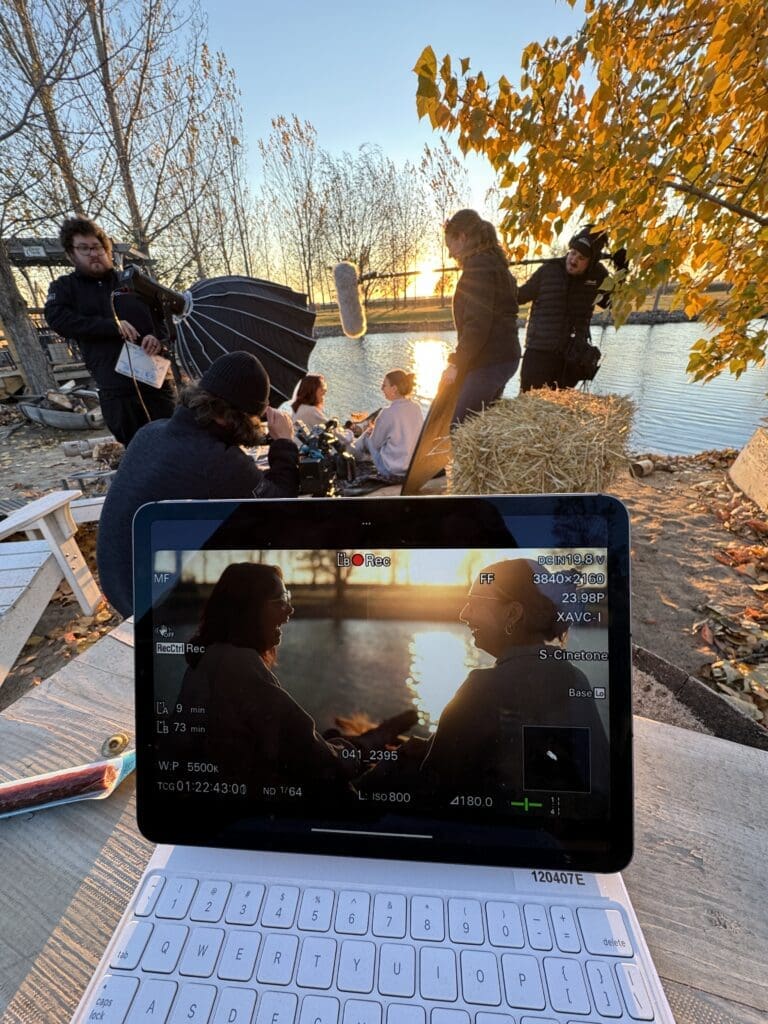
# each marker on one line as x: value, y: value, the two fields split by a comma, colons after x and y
x: 682, y: 523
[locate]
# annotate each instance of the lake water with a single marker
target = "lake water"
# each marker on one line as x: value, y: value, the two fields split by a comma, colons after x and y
x: 674, y: 415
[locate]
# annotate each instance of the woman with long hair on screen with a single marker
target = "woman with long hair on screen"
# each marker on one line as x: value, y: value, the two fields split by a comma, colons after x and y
x: 487, y: 353
x: 254, y: 730
x: 530, y: 721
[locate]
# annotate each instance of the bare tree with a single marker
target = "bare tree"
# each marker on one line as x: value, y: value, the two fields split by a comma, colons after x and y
x: 36, y: 50
x: 446, y: 180
x: 292, y: 183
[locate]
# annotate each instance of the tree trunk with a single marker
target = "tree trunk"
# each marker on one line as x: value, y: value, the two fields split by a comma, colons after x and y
x: 45, y: 97
x: 138, y: 227
x: 22, y: 335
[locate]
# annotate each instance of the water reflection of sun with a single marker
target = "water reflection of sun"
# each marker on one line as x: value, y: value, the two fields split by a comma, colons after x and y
x: 437, y: 670
x: 429, y: 361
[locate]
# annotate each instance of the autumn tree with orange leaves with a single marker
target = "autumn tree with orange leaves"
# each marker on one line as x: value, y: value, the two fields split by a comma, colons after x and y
x: 652, y: 122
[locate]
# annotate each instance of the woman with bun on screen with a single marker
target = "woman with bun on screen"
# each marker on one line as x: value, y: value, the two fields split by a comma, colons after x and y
x: 485, y: 314
x: 529, y: 721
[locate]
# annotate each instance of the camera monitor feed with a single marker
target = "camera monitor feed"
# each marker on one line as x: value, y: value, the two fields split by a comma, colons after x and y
x: 405, y: 694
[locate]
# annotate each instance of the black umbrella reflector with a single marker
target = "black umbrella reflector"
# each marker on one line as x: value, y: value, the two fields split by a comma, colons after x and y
x: 243, y: 314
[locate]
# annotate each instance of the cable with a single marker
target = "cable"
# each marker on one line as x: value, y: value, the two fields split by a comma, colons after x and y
x: 130, y: 361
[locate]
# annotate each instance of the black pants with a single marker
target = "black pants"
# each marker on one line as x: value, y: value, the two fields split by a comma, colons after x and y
x: 124, y: 413
x: 543, y: 369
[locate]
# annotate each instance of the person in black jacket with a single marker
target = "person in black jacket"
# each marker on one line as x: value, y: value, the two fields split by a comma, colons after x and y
x: 484, y: 312
x: 196, y: 454
x: 79, y: 306
x: 564, y: 293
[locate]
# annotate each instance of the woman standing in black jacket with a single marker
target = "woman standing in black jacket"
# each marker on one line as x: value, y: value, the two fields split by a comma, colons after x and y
x: 484, y: 312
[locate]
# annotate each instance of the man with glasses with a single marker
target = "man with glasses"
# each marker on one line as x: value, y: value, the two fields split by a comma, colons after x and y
x: 80, y: 306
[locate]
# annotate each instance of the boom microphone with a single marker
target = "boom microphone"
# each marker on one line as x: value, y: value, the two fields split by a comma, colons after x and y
x: 351, y: 312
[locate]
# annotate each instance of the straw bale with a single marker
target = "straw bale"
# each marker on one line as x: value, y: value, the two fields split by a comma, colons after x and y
x: 542, y: 442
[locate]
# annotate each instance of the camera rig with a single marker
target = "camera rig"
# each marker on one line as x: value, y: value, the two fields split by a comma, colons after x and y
x: 324, y: 463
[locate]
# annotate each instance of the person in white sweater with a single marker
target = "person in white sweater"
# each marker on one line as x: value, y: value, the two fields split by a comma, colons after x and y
x: 391, y: 439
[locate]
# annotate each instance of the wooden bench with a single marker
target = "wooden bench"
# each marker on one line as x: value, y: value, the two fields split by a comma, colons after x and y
x: 31, y: 570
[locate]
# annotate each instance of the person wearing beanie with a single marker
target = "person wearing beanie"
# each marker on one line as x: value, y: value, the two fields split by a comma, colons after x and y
x: 79, y: 305
x: 197, y: 453
x: 563, y: 293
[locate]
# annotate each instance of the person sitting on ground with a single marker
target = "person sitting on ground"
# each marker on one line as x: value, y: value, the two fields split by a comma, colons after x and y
x: 391, y: 439
x: 197, y: 454
x: 307, y: 405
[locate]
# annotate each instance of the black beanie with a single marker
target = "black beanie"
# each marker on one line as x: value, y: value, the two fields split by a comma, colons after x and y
x: 240, y: 379
x: 589, y: 243
x: 582, y: 244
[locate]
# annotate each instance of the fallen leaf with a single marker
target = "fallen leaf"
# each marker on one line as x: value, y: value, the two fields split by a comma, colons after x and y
x: 706, y: 634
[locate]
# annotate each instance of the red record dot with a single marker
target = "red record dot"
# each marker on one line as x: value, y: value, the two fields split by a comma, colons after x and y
x: 357, y: 559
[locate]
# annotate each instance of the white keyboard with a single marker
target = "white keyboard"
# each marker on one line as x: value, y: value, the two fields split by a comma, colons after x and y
x: 207, y: 951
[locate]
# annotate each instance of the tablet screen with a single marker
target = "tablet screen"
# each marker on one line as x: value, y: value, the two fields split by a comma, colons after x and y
x: 440, y: 679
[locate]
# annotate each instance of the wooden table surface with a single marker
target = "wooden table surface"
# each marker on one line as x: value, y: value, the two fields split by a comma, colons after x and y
x: 699, y: 880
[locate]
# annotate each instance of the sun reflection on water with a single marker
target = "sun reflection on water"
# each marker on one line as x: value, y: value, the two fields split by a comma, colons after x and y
x: 429, y: 361
x: 440, y: 662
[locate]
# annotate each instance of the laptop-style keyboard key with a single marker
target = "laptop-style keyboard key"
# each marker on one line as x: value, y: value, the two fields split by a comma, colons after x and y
x: 465, y: 922
x: 277, y: 959
x: 361, y: 1011
x: 280, y: 907
x: 537, y: 927
x: 194, y: 1004
x: 505, y: 926
x: 397, y: 1013
x: 388, y: 916
x: 276, y: 1008
x: 316, y: 910
x: 437, y: 974
x: 145, y: 904
x: 427, y: 920
x: 566, y: 932
x: 442, y: 1016
x: 111, y: 999
x: 243, y: 905
x: 397, y: 970
x: 176, y: 898
x: 133, y: 941
x: 210, y: 901
x: 164, y: 948
x: 316, y: 963
x: 634, y: 991
x: 202, y: 952
x: 319, y: 1010
x: 239, y: 957
x: 604, y: 932
x: 604, y: 994
x: 522, y: 981
x: 480, y: 978
x: 356, y: 964
x: 152, y: 1002
x: 235, y: 1006
x: 565, y: 981
x: 352, y: 913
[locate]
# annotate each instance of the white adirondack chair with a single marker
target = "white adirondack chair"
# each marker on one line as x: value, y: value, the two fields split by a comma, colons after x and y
x: 31, y: 570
